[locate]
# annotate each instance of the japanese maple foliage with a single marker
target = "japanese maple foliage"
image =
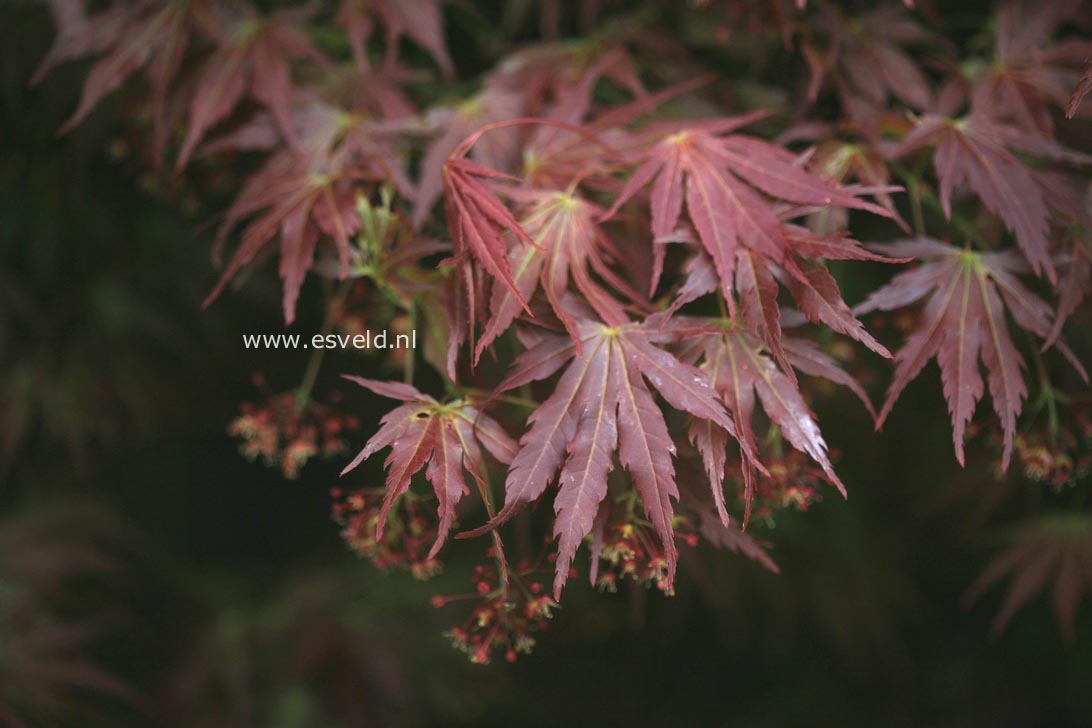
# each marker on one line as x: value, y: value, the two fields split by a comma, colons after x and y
x: 963, y: 320
x: 633, y: 280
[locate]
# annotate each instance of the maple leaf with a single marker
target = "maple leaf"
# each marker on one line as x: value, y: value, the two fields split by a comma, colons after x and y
x: 812, y: 286
x: 963, y: 323
x: 1027, y: 75
x: 568, y: 240
x: 840, y: 161
x: 1084, y: 86
x: 600, y: 404
x: 1074, y: 281
x: 1053, y: 551
x: 866, y: 60
x: 421, y: 20
x: 976, y: 151
x: 301, y: 196
x: 445, y: 437
x: 730, y: 538
x: 498, y: 150
x: 738, y: 366
x: 553, y: 155
x: 132, y: 36
x: 253, y: 57
x: 566, y: 75
x: 477, y: 221
x: 557, y: 75
x: 79, y: 36
x: 713, y: 176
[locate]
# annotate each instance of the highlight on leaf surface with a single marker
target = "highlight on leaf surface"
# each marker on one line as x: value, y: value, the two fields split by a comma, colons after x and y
x: 739, y: 366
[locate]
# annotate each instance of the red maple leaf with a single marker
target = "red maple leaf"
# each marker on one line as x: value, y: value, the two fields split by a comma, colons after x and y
x: 811, y: 285
x: 131, y: 36
x: 553, y: 84
x: 1028, y: 74
x: 478, y: 220
x: 445, y: 437
x: 962, y: 324
x: 298, y: 197
x: 978, y: 152
x: 1051, y: 551
x: 253, y: 57
x: 421, y: 20
x: 1084, y: 86
x: 569, y: 245
x: 1074, y: 279
x: 726, y: 183
x: 738, y: 367
x: 866, y: 59
x: 602, y: 403
x: 498, y: 150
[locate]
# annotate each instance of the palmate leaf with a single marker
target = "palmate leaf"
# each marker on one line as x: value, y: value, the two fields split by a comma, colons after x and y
x: 153, y: 37
x: 1052, y: 551
x: 603, y: 403
x: 79, y: 36
x: 1029, y: 74
x: 962, y: 324
x: 570, y: 245
x: 977, y: 152
x: 565, y: 76
x: 842, y: 161
x: 811, y: 285
x: 477, y: 221
x: 295, y: 198
x: 498, y: 150
x: 725, y: 183
x: 550, y: 84
x: 731, y: 538
x: 420, y: 20
x: 866, y: 58
x: 443, y: 436
x: 739, y: 367
x: 253, y: 58
x: 1084, y: 87
x: 1074, y: 281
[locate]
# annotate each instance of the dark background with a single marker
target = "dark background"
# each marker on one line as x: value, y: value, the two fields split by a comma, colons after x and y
x: 136, y: 543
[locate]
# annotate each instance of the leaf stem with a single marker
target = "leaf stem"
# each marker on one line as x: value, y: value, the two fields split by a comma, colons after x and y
x: 916, y: 211
x: 314, y: 363
x: 1047, y: 395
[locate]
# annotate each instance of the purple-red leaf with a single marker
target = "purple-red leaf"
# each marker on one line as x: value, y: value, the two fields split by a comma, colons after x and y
x: 603, y: 403
x: 729, y: 182
x: 963, y: 324
x: 424, y: 431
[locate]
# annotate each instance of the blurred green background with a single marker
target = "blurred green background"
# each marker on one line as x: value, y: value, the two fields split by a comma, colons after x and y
x: 149, y: 575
